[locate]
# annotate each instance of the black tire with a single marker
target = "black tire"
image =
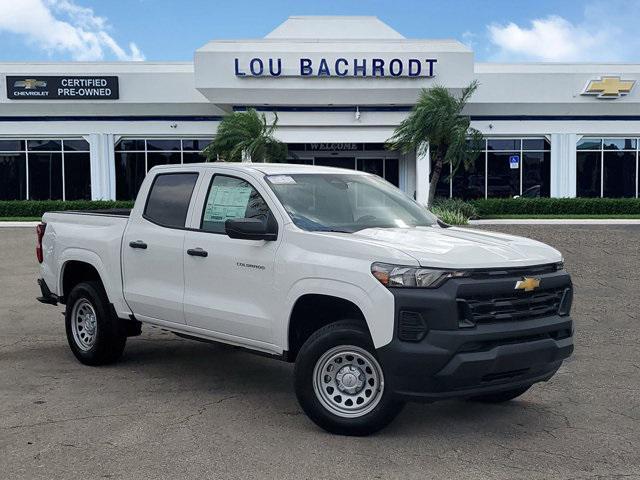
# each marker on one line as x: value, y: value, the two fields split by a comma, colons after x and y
x: 110, y: 335
x: 501, y: 397
x: 342, y: 333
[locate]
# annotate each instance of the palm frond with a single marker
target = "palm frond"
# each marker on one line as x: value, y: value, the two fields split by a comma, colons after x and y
x: 246, y: 133
x: 436, y: 122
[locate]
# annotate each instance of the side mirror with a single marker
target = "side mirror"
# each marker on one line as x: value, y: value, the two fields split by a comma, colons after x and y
x: 251, y: 229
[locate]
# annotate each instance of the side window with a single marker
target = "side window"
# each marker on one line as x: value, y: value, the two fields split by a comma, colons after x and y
x: 231, y: 197
x: 169, y: 199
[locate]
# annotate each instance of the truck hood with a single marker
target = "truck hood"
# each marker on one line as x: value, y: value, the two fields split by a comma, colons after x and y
x: 461, y: 248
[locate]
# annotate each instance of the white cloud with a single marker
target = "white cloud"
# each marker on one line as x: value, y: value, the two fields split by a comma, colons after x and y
x: 62, y: 26
x: 555, y: 39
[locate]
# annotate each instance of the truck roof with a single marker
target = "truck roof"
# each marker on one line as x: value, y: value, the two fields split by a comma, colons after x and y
x: 265, y: 168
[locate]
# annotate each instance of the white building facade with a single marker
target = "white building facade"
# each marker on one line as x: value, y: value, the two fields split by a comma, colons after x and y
x: 339, y: 86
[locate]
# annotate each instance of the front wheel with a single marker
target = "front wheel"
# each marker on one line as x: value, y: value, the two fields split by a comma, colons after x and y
x: 340, y: 383
x: 95, y: 335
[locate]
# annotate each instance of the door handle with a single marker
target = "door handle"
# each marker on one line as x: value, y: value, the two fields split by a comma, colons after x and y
x: 197, y: 252
x: 138, y: 244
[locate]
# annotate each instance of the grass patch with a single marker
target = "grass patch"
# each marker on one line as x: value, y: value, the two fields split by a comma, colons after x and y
x: 565, y: 217
x: 20, y: 219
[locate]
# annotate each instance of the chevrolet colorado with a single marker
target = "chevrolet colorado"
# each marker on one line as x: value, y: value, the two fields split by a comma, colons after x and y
x: 375, y: 300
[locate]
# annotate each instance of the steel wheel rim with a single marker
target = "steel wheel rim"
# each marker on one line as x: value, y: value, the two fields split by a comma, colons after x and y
x: 348, y: 381
x: 84, y: 324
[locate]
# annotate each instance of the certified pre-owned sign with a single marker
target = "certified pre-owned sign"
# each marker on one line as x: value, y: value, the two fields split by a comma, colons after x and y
x: 62, y: 88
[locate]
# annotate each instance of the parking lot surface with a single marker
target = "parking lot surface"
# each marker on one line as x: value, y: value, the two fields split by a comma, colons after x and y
x: 174, y: 408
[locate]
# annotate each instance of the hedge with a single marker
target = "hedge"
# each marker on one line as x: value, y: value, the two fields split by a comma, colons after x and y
x: 481, y: 208
x: 556, y: 206
x: 36, y: 208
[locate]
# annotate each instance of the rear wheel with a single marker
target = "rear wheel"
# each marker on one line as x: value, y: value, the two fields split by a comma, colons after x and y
x: 95, y: 335
x: 340, y: 383
x: 501, y: 397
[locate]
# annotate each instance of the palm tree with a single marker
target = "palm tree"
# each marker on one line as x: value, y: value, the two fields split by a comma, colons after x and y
x: 246, y: 136
x: 436, y: 123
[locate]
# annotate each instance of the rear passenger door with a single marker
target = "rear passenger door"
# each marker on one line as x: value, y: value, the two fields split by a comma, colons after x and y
x: 153, y: 249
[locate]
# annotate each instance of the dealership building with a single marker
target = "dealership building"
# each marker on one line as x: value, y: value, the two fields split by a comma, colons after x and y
x: 339, y: 86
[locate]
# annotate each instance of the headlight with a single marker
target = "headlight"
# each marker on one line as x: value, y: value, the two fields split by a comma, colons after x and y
x: 403, y: 276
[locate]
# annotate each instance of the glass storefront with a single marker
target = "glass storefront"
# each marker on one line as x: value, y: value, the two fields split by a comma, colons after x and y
x: 607, y: 167
x: 506, y: 167
x: 136, y: 156
x: 366, y: 157
x: 45, y: 169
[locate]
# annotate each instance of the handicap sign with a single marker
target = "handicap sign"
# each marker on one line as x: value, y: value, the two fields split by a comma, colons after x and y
x: 514, y: 161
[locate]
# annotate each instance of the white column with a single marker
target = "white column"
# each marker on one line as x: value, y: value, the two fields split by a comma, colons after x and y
x: 423, y: 168
x: 563, y: 164
x: 103, y: 168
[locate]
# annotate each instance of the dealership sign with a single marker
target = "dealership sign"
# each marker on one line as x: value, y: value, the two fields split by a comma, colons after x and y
x: 62, y: 88
x: 609, y: 86
x: 336, y: 67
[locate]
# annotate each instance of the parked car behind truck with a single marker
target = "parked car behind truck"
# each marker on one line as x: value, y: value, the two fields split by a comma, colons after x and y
x: 374, y: 299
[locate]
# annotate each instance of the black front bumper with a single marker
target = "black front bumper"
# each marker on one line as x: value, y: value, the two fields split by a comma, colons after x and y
x: 458, y: 358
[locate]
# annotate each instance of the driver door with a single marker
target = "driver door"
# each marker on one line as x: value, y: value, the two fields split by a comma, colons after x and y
x: 229, y: 283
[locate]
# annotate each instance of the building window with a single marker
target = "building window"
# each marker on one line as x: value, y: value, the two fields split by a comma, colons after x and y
x: 134, y: 157
x: 607, y: 167
x: 506, y: 167
x: 45, y: 169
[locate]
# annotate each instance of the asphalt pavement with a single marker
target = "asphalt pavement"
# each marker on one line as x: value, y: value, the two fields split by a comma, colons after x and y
x: 174, y: 408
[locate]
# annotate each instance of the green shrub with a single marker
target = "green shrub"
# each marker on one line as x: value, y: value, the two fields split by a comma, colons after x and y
x: 36, y: 208
x: 455, y: 204
x: 452, y: 217
x: 556, y: 206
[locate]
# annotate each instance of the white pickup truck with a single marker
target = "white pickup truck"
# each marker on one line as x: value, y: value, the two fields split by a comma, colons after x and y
x: 375, y: 300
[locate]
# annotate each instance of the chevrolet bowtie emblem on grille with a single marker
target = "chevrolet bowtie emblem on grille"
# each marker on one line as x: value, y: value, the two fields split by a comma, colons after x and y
x: 609, y: 87
x: 527, y: 284
x: 30, y: 84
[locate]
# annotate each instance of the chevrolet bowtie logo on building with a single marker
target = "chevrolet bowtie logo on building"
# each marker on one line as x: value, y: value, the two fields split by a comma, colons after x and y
x: 527, y: 284
x: 30, y: 84
x: 609, y: 87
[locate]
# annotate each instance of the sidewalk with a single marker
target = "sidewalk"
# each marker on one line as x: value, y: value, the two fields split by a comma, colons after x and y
x: 18, y: 224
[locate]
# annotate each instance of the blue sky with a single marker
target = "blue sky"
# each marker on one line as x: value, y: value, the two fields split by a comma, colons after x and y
x: 160, y: 30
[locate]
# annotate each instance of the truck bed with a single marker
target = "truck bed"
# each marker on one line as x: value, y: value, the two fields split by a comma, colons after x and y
x: 90, y: 236
x: 110, y: 212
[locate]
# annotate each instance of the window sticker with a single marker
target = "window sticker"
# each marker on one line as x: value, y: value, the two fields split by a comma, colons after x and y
x: 226, y: 202
x: 281, y: 180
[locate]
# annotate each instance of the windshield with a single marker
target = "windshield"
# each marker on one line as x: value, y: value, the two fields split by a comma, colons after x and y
x: 346, y: 202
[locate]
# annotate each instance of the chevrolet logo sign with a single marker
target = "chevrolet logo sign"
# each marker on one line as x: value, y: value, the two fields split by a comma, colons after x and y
x: 30, y: 84
x: 527, y: 284
x: 609, y: 87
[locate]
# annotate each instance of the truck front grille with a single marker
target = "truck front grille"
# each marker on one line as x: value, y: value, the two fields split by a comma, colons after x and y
x: 510, y: 307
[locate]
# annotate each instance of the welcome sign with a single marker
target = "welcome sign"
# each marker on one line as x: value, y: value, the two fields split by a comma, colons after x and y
x: 336, y: 67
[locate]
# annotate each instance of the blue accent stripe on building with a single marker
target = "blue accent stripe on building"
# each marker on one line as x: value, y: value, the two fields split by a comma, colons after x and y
x: 285, y: 108
x: 555, y: 117
x: 407, y: 108
x: 115, y: 118
x: 217, y: 118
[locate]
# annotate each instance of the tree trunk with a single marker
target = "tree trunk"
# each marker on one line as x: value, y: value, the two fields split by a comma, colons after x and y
x: 435, y: 177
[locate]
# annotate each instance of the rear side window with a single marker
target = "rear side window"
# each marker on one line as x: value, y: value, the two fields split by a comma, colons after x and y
x: 169, y: 199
